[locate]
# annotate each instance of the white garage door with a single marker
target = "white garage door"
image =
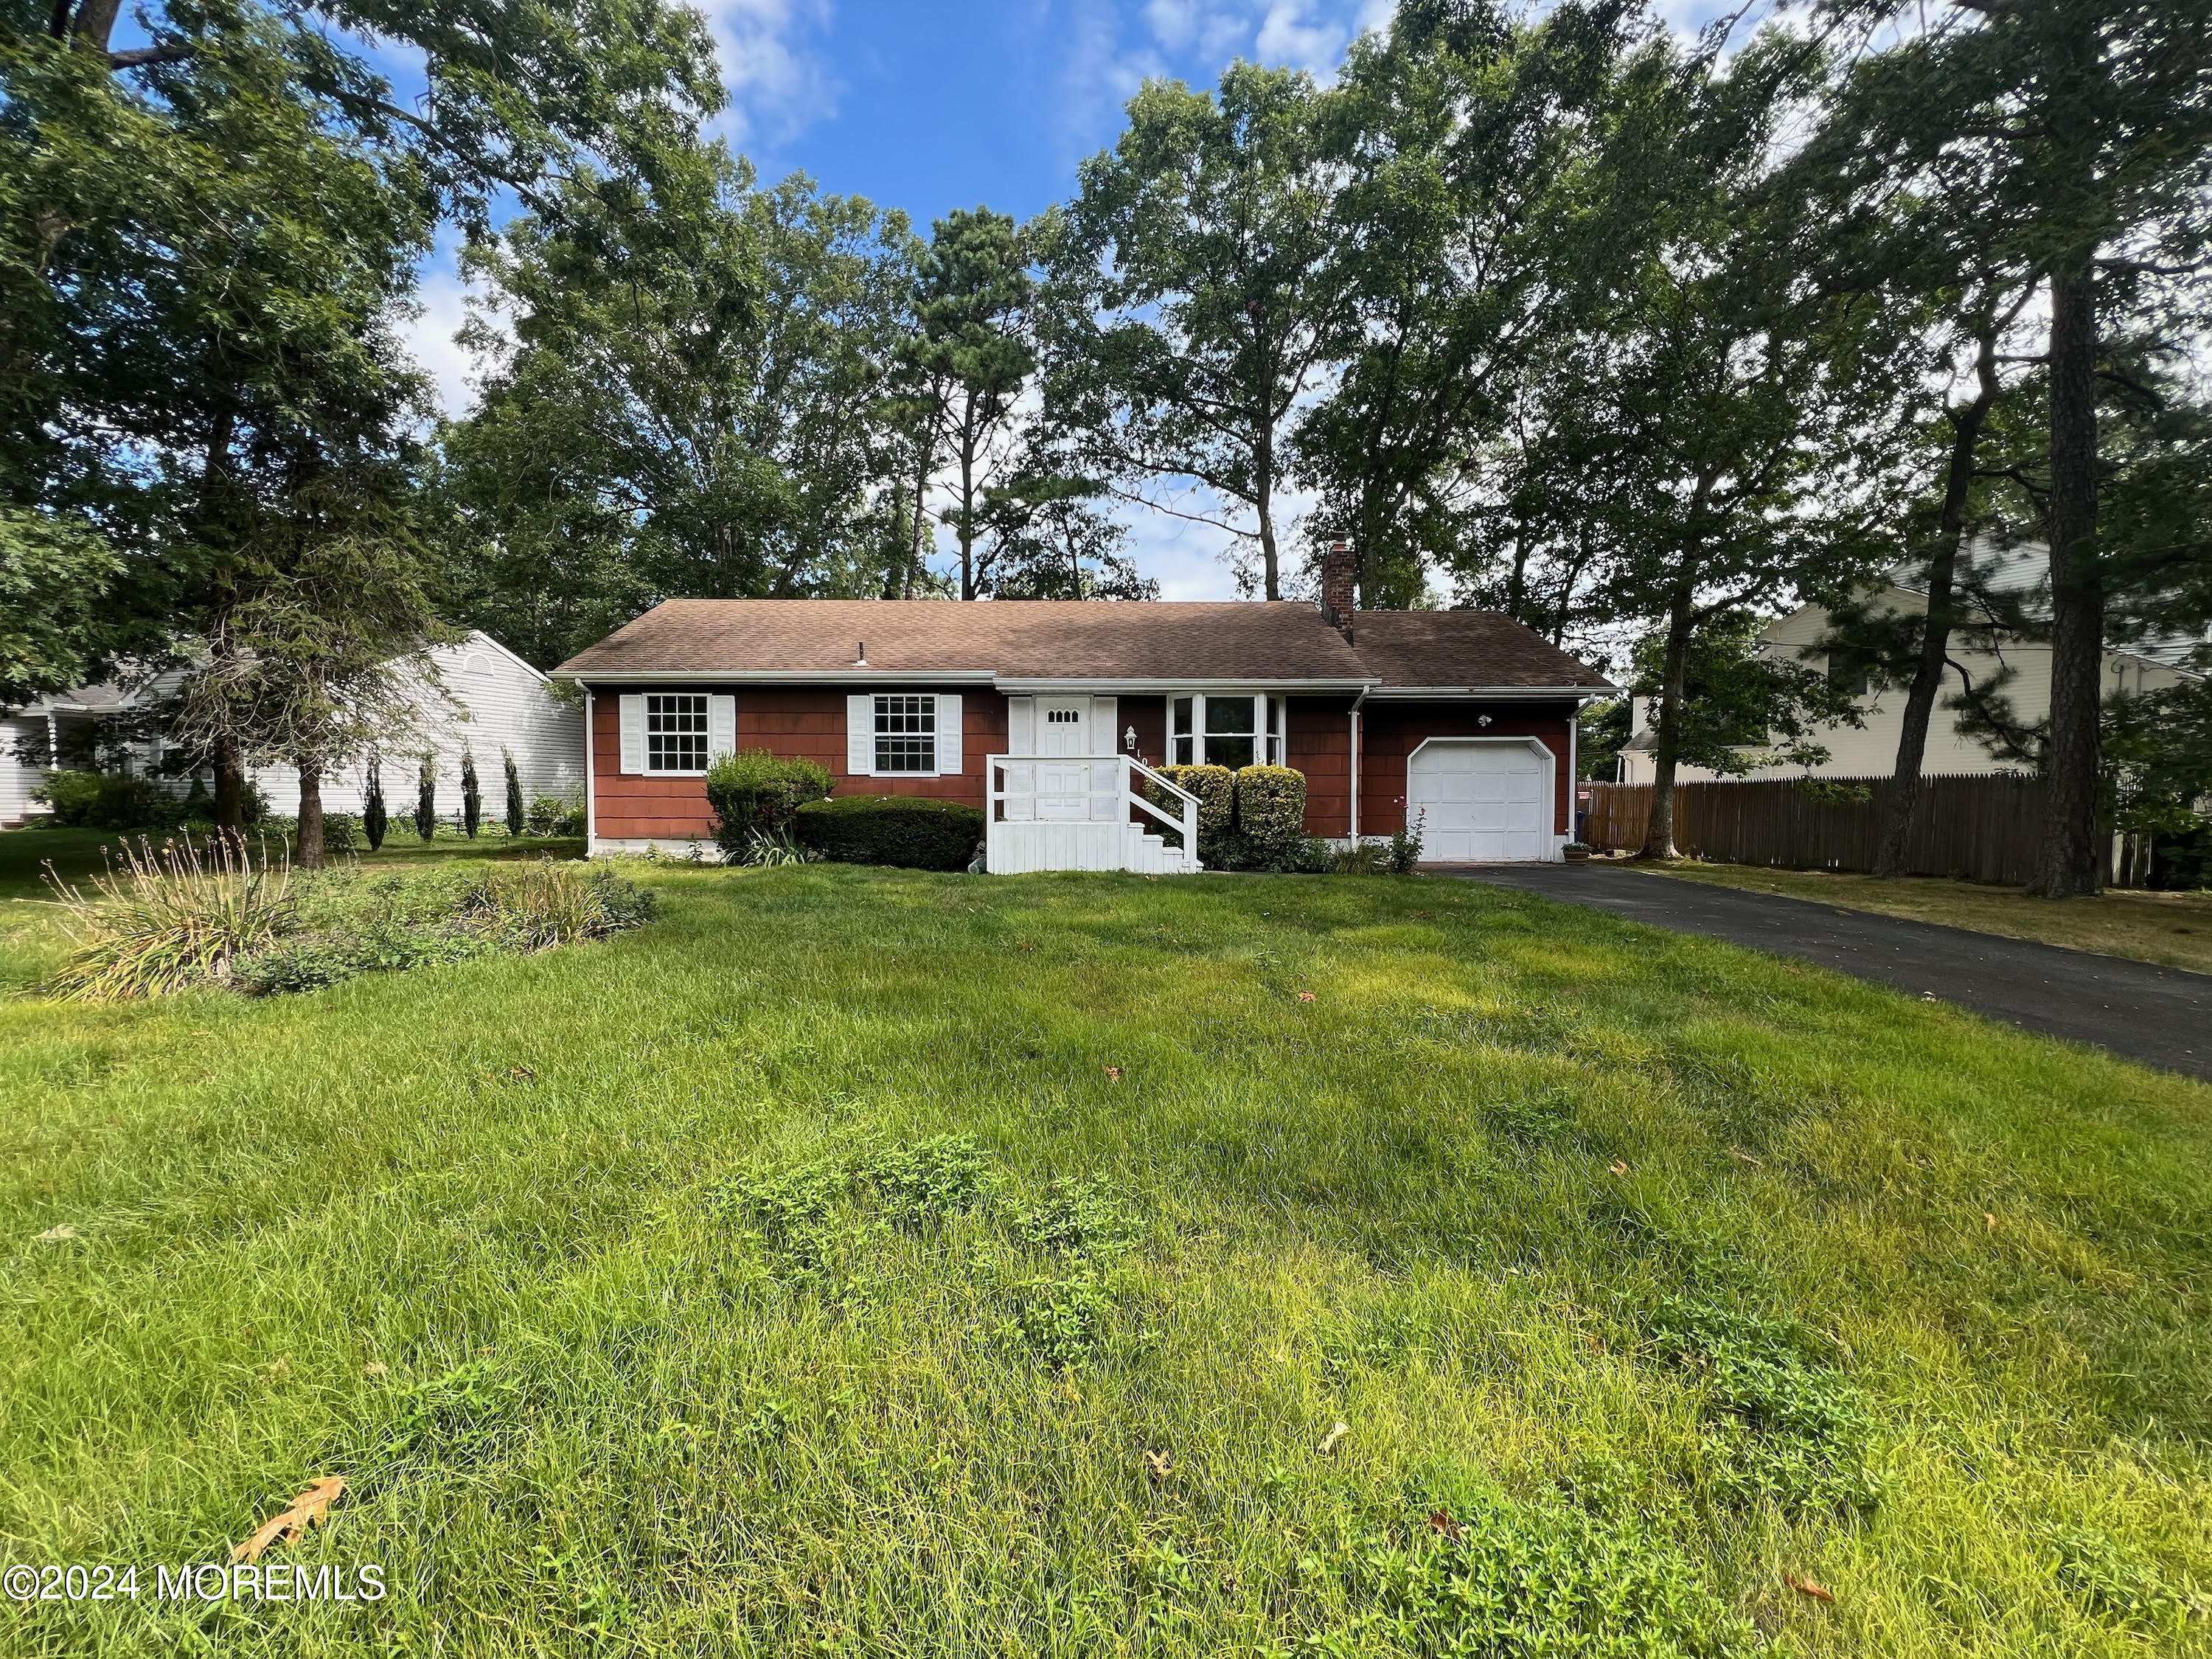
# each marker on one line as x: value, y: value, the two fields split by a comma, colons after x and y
x: 1486, y: 802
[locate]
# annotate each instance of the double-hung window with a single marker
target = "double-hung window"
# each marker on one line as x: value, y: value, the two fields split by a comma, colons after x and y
x: 906, y: 733
x: 1236, y: 729
x: 676, y: 731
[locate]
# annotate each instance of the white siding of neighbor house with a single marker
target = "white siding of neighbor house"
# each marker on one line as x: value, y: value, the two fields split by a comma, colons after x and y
x: 492, y: 700
x: 1870, y: 750
x: 17, y: 778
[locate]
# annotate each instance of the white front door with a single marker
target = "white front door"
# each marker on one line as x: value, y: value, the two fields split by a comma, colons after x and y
x: 1063, y: 728
x: 1483, y: 800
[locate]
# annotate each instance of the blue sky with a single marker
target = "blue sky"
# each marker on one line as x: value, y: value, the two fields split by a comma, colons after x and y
x: 928, y: 107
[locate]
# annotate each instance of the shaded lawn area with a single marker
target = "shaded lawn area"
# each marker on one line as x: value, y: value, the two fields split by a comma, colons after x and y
x: 863, y: 1262
x: 2171, y: 929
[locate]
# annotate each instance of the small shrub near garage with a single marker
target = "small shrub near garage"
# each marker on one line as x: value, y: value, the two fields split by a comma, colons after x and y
x: 911, y: 832
x: 755, y: 795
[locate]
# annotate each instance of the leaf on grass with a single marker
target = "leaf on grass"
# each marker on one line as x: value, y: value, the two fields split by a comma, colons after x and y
x: 1114, y: 1072
x: 374, y: 1368
x: 1989, y: 1222
x: 1742, y: 1158
x: 1812, y: 1587
x: 1334, y: 1438
x: 522, y: 1073
x: 304, y: 1511
x: 58, y: 1235
x: 1618, y: 1167
x: 1159, y: 1465
x: 1305, y: 996
x: 1441, y: 1521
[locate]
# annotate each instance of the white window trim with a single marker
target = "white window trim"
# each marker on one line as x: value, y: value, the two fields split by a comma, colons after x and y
x: 1261, y: 735
x: 948, y: 750
x: 707, y: 712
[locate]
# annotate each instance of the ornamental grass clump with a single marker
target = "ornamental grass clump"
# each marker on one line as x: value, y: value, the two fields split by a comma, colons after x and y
x: 170, y: 918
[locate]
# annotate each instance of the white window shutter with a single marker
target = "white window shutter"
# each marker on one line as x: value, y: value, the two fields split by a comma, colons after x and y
x: 632, y: 722
x: 948, y: 735
x: 860, y: 736
x: 721, y: 727
x: 1105, y: 725
x: 1021, y: 726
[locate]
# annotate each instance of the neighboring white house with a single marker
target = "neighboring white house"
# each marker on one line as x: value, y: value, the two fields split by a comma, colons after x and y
x: 1870, y: 750
x: 486, y: 699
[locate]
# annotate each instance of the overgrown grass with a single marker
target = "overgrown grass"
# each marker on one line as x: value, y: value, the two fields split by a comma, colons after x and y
x: 167, y: 918
x: 862, y: 1262
x: 2171, y: 929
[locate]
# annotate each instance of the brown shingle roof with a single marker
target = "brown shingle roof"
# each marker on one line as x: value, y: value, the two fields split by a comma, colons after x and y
x: 1463, y: 648
x: 1281, y: 642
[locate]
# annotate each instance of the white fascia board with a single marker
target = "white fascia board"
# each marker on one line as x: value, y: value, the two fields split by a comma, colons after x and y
x: 1489, y: 693
x: 889, y: 676
x: 1135, y: 687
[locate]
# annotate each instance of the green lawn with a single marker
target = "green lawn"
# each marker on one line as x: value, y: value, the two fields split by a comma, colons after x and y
x: 867, y: 1263
x: 2171, y: 929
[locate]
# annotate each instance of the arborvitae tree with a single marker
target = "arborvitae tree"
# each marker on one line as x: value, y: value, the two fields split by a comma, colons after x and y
x: 471, y: 796
x: 515, y: 814
x: 373, y: 817
x: 426, y: 798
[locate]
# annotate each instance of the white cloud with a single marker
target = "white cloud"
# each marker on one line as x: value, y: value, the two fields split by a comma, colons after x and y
x: 1287, y: 38
x: 441, y: 309
x: 777, y: 82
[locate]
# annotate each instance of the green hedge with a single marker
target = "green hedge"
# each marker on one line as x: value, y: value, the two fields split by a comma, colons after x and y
x: 1271, y: 809
x: 910, y: 832
x: 100, y: 800
x: 1216, y: 789
x: 754, y: 793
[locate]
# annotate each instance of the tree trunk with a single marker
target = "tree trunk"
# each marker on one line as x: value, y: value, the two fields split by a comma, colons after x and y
x: 1659, y: 832
x: 311, y: 815
x: 230, y: 790
x: 95, y: 26
x: 2069, y: 863
x: 1263, y: 455
x: 1889, y: 859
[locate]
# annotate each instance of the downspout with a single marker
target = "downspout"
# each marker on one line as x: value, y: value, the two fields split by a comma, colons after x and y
x: 1574, y: 768
x: 590, y: 783
x: 1356, y: 701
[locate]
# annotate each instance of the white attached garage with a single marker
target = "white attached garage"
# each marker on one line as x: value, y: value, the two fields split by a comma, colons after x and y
x: 1486, y: 799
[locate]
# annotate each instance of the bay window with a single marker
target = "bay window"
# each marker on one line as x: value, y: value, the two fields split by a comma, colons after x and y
x: 1233, y: 729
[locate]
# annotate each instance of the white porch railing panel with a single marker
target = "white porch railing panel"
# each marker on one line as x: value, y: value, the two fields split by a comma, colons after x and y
x: 1072, y: 812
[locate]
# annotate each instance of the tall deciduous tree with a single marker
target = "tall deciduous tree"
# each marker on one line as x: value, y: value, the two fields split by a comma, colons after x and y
x: 690, y: 404
x: 1192, y: 294
x: 1464, y: 242
x: 1746, y: 414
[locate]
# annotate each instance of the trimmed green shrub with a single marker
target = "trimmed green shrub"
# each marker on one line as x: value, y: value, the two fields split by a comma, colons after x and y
x: 426, y: 798
x: 754, y: 793
x: 516, y: 812
x: 556, y: 815
x: 1216, y: 789
x: 471, y: 796
x: 1271, y: 811
x: 100, y: 800
x: 912, y: 832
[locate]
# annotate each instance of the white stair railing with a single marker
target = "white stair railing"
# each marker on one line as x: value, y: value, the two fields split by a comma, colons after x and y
x: 1082, y: 795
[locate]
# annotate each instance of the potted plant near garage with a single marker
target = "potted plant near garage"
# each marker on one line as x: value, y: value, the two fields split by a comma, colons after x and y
x: 1576, y: 852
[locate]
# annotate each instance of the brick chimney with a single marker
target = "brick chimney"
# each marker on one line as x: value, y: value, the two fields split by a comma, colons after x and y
x: 1338, y: 583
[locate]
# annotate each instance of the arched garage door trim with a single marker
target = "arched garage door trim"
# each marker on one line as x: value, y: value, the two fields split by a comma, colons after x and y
x: 1549, y: 840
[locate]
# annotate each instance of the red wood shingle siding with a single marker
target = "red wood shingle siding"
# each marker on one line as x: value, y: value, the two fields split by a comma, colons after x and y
x: 806, y: 721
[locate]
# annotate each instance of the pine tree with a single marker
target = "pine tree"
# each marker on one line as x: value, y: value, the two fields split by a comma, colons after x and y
x: 471, y: 796
x: 373, y: 817
x: 515, y: 813
x: 426, y: 798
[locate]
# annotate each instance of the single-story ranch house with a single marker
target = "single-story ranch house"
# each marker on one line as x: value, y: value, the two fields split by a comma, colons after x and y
x: 1048, y: 715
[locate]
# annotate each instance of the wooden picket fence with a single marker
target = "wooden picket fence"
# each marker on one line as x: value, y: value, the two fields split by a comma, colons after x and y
x: 1981, y: 829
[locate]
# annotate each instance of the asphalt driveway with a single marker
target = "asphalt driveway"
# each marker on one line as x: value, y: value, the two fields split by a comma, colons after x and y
x: 2159, y: 1016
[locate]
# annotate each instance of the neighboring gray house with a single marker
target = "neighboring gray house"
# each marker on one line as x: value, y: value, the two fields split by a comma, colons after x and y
x: 487, y: 699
